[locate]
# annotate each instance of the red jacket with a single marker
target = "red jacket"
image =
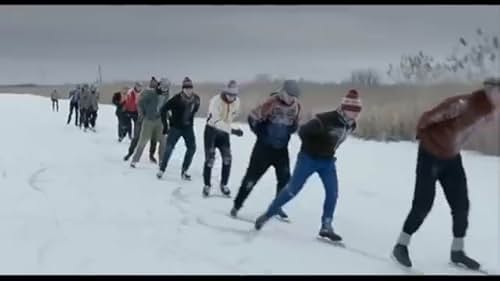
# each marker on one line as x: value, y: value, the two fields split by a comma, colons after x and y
x: 130, y: 104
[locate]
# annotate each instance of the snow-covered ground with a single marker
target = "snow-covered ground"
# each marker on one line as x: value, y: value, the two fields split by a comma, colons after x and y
x: 69, y: 203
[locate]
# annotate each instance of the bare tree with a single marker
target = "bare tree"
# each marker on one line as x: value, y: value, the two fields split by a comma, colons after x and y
x: 469, y: 61
x: 365, y: 77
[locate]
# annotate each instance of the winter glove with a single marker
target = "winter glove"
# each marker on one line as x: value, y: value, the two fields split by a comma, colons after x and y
x: 237, y: 132
x: 293, y: 128
x: 258, y: 128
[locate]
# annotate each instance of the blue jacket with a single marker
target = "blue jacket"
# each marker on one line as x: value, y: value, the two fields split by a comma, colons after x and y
x: 274, y: 121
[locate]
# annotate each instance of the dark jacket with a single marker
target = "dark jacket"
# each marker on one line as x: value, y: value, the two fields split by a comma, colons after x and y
x: 322, y: 135
x: 183, y: 110
x: 86, y: 99
x: 74, y: 96
x: 446, y: 128
x: 117, y: 101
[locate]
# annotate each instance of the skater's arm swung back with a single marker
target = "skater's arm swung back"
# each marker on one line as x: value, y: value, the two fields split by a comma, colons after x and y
x: 310, y: 129
x: 196, y: 104
x: 448, y: 109
x: 169, y: 104
x: 142, y: 103
x: 236, y: 111
x: 260, y: 113
x: 295, y: 126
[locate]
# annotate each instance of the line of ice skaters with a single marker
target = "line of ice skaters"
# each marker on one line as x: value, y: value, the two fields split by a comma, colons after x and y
x: 84, y: 102
x: 442, y: 131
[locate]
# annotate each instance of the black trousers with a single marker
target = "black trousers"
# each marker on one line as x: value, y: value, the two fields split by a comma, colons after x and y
x: 216, y: 139
x: 55, y: 105
x: 122, y: 129
x: 92, y: 117
x: 263, y: 157
x: 129, y: 122
x: 173, y: 136
x: 450, y: 173
x: 73, y: 106
x: 84, y: 117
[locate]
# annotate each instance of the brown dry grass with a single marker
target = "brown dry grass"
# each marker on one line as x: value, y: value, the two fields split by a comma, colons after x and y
x: 389, y: 112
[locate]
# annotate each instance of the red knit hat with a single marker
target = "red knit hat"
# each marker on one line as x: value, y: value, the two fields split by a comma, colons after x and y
x: 351, y: 102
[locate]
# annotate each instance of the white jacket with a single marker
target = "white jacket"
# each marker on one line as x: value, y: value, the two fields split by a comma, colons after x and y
x: 221, y: 114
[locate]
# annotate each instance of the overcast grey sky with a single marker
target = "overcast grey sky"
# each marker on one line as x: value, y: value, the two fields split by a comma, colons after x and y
x: 55, y: 44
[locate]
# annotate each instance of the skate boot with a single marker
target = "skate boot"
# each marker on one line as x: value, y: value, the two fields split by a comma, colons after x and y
x: 206, y: 191
x: 259, y: 223
x: 327, y: 232
x: 225, y: 191
x: 234, y: 212
x: 400, y: 253
x: 185, y: 176
x: 460, y: 258
x: 283, y: 216
x: 152, y: 159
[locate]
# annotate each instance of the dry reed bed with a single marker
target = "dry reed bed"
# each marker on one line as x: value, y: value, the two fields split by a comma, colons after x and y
x: 390, y: 112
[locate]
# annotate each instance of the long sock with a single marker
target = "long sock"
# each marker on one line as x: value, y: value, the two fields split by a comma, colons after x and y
x: 404, y: 238
x: 457, y: 244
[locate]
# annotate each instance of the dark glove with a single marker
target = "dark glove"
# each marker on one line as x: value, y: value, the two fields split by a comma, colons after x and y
x: 165, y: 129
x: 258, y: 128
x: 237, y: 132
x: 293, y: 128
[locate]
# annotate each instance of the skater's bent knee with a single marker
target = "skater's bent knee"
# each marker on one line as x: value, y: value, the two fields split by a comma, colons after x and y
x: 421, y: 213
x: 226, y: 160
x: 210, y: 162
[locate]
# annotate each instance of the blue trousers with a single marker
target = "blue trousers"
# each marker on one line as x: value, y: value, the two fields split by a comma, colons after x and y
x: 304, y: 168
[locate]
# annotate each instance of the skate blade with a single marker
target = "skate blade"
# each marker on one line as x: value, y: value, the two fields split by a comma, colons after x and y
x: 339, y: 243
x: 287, y: 220
x: 219, y: 196
x: 404, y: 267
x: 464, y: 267
x: 243, y: 219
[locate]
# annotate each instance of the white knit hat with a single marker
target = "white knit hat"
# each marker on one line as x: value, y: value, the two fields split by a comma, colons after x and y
x: 232, y: 88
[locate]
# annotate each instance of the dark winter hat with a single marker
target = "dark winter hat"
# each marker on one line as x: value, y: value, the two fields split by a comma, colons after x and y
x: 291, y: 87
x: 351, y: 102
x: 187, y: 83
x: 153, y: 83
